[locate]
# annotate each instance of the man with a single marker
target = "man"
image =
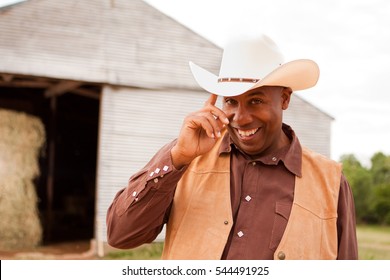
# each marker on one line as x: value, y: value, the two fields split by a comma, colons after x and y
x: 236, y: 183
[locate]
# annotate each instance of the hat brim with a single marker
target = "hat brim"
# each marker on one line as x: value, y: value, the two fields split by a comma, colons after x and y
x: 297, y: 74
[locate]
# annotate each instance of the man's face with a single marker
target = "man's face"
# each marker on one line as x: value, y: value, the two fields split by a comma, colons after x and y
x: 256, y: 119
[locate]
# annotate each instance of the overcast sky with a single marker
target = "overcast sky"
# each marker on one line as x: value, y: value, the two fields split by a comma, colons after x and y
x: 349, y: 39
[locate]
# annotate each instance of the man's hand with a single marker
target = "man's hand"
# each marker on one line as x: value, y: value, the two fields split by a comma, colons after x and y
x: 199, y: 133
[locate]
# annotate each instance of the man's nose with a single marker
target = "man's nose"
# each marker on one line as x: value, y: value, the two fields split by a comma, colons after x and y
x: 241, y: 116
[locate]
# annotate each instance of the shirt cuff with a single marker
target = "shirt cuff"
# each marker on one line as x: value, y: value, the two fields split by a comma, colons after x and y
x: 160, y: 175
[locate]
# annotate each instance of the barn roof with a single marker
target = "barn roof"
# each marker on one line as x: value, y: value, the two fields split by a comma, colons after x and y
x: 118, y: 42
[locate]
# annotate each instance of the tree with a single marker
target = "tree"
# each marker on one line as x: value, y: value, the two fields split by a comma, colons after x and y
x: 370, y: 187
x: 360, y: 181
x: 380, y: 171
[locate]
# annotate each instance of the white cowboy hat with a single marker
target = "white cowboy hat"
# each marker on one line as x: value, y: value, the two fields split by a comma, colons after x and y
x: 250, y: 63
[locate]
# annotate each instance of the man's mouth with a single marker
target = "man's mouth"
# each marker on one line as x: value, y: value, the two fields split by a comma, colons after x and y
x: 247, y: 133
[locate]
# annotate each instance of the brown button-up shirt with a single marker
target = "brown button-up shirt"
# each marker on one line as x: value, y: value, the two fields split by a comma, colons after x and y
x: 262, y: 192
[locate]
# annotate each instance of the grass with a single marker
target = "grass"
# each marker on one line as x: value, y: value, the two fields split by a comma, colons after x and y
x: 374, y: 244
x: 151, y: 251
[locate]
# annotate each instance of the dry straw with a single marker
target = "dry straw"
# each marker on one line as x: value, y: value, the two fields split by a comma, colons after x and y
x: 21, y: 139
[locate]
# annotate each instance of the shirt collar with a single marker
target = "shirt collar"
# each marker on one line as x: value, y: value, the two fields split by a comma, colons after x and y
x: 291, y: 156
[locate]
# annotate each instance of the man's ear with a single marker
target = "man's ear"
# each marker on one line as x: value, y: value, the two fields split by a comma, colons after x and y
x: 286, y: 95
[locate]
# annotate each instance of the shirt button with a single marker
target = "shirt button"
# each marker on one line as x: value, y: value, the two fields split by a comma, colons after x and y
x: 281, y: 255
x: 240, y: 234
x: 274, y: 159
x: 248, y: 198
x: 254, y: 163
x: 226, y: 222
x: 155, y: 180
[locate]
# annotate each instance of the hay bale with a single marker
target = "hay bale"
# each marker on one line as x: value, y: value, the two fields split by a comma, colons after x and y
x: 21, y: 139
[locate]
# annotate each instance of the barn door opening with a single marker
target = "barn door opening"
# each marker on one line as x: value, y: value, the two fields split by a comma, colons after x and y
x: 71, y: 168
x: 66, y: 185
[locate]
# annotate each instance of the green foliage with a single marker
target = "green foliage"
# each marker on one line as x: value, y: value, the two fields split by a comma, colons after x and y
x: 370, y: 187
x: 151, y: 251
x: 380, y: 168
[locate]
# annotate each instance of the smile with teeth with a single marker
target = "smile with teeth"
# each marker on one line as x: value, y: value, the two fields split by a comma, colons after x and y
x: 247, y: 133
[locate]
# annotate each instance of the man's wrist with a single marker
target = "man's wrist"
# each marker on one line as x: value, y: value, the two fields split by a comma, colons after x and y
x: 178, y: 160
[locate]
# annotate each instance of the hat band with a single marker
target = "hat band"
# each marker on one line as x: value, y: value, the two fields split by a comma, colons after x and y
x: 240, y: 80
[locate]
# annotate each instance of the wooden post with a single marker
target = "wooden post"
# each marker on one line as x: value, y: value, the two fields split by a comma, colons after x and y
x: 51, y: 167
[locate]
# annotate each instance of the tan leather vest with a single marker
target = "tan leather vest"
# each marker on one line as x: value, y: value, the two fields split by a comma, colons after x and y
x: 201, y: 217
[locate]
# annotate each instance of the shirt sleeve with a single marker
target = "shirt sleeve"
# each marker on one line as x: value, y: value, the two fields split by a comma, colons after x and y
x: 139, y: 211
x: 346, y: 223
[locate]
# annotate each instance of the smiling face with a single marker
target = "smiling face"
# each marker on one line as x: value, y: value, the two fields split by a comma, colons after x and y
x: 256, y: 119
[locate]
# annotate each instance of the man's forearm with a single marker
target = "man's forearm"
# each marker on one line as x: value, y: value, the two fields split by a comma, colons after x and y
x: 139, y: 211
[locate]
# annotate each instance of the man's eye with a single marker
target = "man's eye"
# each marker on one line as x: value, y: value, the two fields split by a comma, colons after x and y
x: 230, y: 101
x: 257, y: 101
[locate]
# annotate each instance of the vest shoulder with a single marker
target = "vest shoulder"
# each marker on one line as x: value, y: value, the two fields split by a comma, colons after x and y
x: 317, y: 158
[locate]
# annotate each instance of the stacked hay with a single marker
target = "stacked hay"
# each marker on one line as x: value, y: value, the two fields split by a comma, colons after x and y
x: 21, y: 139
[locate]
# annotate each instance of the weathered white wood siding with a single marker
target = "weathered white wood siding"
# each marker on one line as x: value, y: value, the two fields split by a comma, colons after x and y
x: 312, y: 126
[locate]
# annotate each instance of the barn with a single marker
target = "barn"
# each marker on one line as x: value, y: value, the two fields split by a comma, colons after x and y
x: 111, y: 83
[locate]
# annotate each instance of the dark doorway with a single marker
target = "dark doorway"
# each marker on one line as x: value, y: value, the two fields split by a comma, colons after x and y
x: 67, y: 206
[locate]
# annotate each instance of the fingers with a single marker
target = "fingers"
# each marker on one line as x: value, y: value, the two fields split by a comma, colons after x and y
x: 208, y: 122
x: 211, y: 100
x: 216, y: 118
x: 215, y: 111
x: 212, y: 125
x: 218, y: 114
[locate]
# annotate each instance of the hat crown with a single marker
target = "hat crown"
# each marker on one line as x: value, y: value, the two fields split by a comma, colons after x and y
x: 250, y: 58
